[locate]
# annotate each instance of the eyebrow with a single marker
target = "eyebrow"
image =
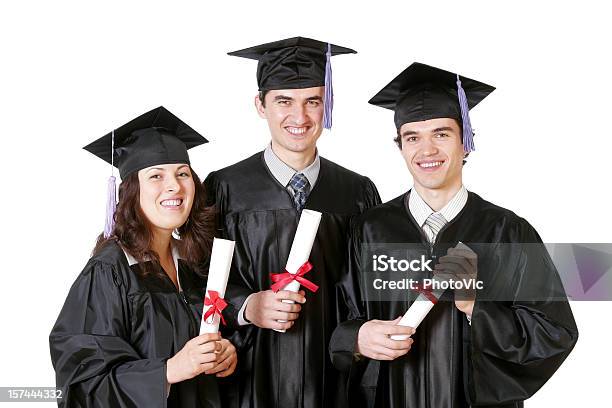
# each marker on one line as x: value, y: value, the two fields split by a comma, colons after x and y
x: 288, y: 98
x: 436, y: 130
x: 160, y: 169
x: 442, y: 129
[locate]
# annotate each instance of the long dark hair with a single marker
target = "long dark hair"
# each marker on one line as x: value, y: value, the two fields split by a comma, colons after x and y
x: 133, y: 231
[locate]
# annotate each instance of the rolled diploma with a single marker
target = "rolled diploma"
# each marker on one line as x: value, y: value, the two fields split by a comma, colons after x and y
x: 416, y: 313
x: 220, y: 264
x: 301, y: 247
x: 421, y: 306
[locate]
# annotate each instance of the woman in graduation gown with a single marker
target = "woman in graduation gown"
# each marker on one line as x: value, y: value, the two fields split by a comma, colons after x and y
x: 127, y: 335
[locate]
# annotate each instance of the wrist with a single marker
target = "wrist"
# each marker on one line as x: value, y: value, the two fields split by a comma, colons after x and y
x: 360, y: 335
x: 170, y: 377
x: 247, y: 315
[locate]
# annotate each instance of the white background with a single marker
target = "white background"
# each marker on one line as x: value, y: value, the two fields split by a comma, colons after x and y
x: 72, y: 70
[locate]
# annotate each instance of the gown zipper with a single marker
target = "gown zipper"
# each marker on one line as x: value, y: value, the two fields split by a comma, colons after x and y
x: 180, y: 294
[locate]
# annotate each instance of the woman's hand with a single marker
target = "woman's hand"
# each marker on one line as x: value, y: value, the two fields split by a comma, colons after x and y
x: 226, y: 360
x: 197, y: 356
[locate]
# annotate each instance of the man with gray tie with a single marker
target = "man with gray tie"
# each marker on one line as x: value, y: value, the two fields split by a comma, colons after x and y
x: 467, y: 351
x: 259, y: 201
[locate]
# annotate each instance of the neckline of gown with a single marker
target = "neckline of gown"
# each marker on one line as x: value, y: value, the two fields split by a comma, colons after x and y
x: 320, y: 179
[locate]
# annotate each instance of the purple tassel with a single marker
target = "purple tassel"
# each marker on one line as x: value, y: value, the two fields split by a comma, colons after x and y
x: 111, y: 206
x: 111, y: 195
x: 328, y: 99
x: 468, y: 135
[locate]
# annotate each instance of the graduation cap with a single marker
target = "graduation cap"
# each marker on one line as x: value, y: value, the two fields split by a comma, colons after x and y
x: 155, y: 137
x: 296, y: 63
x: 422, y: 92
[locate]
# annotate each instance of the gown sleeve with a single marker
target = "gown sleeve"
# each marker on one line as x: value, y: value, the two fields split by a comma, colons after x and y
x: 344, y: 338
x: 515, y: 346
x: 235, y: 293
x: 351, y: 308
x: 94, y: 362
x: 361, y: 373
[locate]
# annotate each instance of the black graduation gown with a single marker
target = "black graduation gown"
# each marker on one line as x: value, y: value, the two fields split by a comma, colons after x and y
x: 511, y: 348
x: 116, y: 330
x: 289, y: 369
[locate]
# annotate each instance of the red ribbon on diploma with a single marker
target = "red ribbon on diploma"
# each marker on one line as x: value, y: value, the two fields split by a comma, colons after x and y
x: 282, y: 279
x: 427, y: 293
x: 216, y: 303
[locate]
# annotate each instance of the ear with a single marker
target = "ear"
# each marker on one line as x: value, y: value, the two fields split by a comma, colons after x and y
x: 261, y: 110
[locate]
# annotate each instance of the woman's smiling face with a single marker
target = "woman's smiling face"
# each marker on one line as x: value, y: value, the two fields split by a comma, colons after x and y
x: 166, y: 194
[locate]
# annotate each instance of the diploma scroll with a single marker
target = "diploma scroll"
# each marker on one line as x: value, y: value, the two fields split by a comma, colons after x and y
x: 218, y: 273
x: 301, y: 247
x: 423, y: 304
x: 417, y: 311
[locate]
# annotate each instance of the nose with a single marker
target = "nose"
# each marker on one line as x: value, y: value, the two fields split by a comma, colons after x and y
x: 429, y: 148
x: 299, y: 114
x: 171, y: 185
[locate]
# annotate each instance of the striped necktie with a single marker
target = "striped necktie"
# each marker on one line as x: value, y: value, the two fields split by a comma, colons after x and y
x: 433, y: 225
x: 301, y: 187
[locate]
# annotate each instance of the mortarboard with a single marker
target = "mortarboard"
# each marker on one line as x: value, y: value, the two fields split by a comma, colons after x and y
x: 295, y: 63
x: 422, y: 92
x: 155, y: 137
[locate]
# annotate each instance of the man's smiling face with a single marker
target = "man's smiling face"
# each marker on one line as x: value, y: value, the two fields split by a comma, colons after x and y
x: 433, y: 151
x: 295, y: 117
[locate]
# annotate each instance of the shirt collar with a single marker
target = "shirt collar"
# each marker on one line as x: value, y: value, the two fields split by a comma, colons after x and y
x: 283, y: 172
x: 175, y: 257
x: 133, y: 261
x: 421, y: 211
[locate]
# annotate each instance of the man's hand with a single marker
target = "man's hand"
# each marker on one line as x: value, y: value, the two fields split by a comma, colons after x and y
x: 460, y: 263
x: 266, y: 308
x: 373, y: 340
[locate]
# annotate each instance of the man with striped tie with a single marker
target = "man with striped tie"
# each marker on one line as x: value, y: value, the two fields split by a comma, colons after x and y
x: 466, y: 352
x: 259, y: 201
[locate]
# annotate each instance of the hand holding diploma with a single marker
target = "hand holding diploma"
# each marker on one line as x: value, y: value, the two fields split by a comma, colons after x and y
x: 269, y: 310
x: 374, y: 339
x: 227, y: 359
x: 197, y: 356
x: 297, y: 262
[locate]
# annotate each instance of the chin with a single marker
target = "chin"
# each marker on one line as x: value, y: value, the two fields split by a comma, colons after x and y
x: 299, y: 148
x: 429, y: 184
x: 171, y: 224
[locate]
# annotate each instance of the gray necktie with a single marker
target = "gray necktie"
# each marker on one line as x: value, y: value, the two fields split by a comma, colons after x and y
x: 301, y: 187
x: 433, y: 225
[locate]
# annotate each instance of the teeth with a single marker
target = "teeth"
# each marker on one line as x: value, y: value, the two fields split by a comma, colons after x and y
x: 296, y: 130
x: 432, y: 164
x: 171, y: 203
